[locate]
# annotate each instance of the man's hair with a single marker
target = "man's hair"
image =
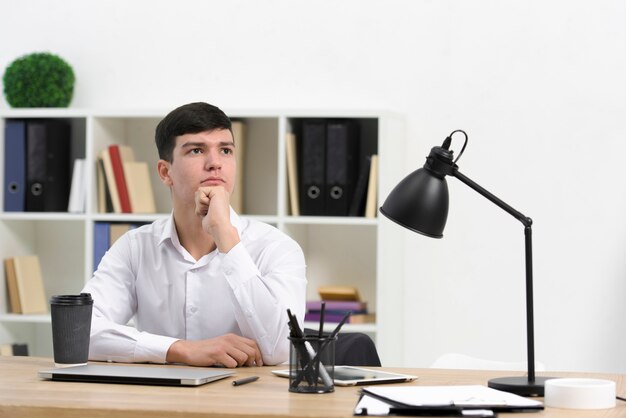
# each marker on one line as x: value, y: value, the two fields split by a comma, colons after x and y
x: 191, y: 118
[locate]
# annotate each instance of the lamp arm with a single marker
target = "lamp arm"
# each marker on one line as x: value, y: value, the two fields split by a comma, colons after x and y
x: 526, y: 221
x: 530, y: 334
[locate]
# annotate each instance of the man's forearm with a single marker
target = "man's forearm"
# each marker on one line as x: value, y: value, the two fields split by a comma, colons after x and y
x: 176, y: 353
x: 226, y: 237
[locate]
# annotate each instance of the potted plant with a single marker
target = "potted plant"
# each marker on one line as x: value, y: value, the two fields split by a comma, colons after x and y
x: 40, y: 79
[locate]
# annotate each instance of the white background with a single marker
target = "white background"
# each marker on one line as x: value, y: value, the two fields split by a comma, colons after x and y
x: 538, y: 85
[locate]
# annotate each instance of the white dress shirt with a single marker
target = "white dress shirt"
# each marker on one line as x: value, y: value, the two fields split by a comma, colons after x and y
x: 148, y: 275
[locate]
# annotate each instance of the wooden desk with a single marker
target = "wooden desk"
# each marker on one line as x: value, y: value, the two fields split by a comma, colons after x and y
x: 23, y: 394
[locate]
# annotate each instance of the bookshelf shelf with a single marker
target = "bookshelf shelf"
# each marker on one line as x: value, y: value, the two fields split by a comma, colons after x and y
x: 338, y: 250
x: 330, y: 220
x: 329, y: 327
x: 34, y: 319
x: 126, y: 217
x: 40, y: 216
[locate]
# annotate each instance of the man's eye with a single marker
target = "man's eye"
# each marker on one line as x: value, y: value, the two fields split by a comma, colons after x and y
x: 227, y: 151
x: 196, y: 151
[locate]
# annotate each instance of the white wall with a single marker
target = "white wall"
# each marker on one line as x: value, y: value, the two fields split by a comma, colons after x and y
x: 538, y: 85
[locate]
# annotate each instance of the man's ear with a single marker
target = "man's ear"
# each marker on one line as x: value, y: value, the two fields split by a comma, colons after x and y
x: 163, y: 168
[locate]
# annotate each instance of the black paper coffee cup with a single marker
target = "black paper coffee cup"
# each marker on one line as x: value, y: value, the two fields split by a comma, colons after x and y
x: 71, y: 326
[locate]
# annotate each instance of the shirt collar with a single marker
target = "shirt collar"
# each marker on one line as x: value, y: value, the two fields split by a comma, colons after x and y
x: 168, y: 229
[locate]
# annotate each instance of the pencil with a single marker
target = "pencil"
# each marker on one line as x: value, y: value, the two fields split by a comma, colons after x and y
x: 321, y: 330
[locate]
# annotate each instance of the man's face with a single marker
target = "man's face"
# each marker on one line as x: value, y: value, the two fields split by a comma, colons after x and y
x: 201, y: 159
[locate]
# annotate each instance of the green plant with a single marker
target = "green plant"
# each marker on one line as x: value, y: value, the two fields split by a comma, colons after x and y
x: 39, y: 79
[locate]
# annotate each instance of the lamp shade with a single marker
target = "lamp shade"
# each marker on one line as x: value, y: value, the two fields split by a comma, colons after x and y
x: 419, y: 203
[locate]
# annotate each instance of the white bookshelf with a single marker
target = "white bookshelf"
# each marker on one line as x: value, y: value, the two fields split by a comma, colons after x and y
x: 363, y: 252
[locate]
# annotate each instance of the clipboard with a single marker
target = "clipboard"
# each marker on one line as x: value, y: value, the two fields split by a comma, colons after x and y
x: 468, y: 400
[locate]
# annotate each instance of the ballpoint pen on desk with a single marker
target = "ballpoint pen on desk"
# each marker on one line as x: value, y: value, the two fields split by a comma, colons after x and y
x: 245, y: 380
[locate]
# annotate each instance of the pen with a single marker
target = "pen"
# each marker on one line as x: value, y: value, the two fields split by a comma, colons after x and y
x: 321, y: 330
x: 245, y: 380
x: 297, y: 334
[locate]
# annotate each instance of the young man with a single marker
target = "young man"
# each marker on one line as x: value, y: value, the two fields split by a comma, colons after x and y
x: 205, y: 287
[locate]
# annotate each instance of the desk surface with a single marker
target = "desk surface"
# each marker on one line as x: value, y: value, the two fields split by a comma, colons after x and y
x: 23, y: 394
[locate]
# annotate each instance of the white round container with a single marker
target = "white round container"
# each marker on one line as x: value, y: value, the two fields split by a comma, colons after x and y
x: 579, y: 393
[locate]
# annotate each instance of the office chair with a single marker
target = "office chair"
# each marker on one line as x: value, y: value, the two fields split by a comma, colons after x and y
x: 353, y: 349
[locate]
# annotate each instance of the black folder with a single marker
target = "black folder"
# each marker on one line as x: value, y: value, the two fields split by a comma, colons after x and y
x: 313, y: 169
x: 341, y: 166
x: 47, y: 165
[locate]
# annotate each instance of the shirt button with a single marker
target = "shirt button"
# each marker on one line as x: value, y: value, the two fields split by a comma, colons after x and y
x: 229, y: 271
x: 193, y: 309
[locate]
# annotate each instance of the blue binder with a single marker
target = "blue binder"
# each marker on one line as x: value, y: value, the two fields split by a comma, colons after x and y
x: 101, y: 238
x: 14, y: 165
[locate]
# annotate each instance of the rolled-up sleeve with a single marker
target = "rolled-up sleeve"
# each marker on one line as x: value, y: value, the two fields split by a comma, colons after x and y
x: 115, y: 302
x: 264, y: 288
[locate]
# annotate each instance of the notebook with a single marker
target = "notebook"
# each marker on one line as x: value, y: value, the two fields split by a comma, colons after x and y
x: 140, y: 375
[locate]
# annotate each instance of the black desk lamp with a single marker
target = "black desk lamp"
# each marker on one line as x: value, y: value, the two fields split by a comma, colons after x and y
x: 420, y: 203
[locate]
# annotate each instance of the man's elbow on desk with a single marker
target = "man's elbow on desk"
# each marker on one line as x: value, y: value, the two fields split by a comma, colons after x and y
x: 278, y: 357
x: 274, y: 350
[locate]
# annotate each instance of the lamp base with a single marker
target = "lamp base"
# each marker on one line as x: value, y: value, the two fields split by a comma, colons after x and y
x: 520, y: 385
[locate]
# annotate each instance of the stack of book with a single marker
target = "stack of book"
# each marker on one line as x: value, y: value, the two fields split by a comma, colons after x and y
x: 124, y: 184
x: 338, y: 301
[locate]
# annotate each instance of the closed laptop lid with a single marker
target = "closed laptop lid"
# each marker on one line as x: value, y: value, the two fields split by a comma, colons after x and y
x: 143, y: 375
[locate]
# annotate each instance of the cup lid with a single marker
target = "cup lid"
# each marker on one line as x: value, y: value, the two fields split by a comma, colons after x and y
x: 81, y: 299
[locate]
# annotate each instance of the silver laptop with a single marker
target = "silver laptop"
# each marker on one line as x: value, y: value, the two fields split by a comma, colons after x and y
x: 140, y: 375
